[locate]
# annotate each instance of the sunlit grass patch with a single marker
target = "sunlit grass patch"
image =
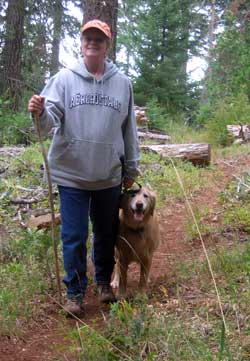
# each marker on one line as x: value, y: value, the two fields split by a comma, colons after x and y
x: 181, y: 133
x: 162, y: 177
x: 234, y: 151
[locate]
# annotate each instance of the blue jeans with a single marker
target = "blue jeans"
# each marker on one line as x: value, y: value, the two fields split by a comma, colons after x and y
x: 76, y: 205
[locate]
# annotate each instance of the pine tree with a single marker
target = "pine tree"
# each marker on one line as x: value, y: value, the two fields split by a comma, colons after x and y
x: 170, y: 32
x: 12, y: 51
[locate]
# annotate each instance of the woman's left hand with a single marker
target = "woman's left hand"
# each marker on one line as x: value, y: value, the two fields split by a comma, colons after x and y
x: 128, y: 182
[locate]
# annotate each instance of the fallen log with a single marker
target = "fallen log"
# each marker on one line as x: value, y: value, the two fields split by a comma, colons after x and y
x: 197, y: 153
x: 140, y: 115
x: 161, y: 138
x: 240, y: 133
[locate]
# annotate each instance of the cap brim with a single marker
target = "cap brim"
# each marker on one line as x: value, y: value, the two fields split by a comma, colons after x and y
x: 84, y: 28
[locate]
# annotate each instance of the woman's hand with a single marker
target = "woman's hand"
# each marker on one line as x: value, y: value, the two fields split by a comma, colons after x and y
x: 36, y: 104
x: 128, y: 182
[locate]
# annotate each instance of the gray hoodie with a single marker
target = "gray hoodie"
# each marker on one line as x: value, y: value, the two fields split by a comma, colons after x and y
x: 95, y: 138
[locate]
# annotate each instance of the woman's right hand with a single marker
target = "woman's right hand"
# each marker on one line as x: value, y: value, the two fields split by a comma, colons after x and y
x: 36, y: 104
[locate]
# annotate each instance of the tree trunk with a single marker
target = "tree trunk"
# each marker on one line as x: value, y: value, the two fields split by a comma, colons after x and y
x: 57, y: 21
x: 107, y: 11
x: 197, y: 153
x: 11, y: 55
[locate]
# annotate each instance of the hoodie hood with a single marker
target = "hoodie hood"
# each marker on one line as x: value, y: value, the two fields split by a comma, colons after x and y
x: 80, y: 68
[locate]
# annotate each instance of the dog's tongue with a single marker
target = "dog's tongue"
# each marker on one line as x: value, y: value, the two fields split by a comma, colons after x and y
x: 138, y: 216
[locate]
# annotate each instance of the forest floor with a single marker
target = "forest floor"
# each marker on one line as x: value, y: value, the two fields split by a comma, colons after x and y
x: 45, y: 339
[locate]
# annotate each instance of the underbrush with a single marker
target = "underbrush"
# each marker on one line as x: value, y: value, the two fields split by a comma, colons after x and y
x: 26, y: 255
x: 22, y: 286
x: 186, y: 326
x: 15, y: 128
x: 235, y: 200
x: 180, y: 320
x: 27, y: 270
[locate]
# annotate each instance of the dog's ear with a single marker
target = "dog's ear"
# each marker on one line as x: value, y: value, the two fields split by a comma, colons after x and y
x: 123, y: 200
x: 152, y: 202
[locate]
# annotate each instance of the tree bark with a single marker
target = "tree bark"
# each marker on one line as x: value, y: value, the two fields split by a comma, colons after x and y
x: 11, y: 55
x: 104, y: 10
x: 57, y: 21
x: 197, y: 153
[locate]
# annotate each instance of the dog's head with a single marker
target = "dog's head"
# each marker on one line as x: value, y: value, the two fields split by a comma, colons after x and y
x: 138, y: 206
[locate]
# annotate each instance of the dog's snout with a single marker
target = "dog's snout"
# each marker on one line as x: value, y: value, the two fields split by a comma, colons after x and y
x: 139, y: 205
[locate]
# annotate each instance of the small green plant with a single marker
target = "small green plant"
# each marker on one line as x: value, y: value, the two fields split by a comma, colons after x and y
x: 235, y: 199
x: 237, y: 217
x: 191, y: 228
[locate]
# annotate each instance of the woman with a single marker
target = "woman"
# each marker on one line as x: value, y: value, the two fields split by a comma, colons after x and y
x: 94, y: 149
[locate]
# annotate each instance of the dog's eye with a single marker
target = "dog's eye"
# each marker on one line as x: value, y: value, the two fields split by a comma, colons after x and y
x: 145, y: 195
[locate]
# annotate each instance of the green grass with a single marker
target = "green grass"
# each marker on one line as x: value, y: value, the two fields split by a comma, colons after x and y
x: 191, y: 228
x: 21, y: 284
x: 26, y: 256
x: 162, y: 177
x: 181, y: 133
x: 179, y: 328
x: 235, y: 200
x: 233, y: 151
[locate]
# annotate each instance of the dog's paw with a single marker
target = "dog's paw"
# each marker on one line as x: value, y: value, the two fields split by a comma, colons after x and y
x: 115, y: 283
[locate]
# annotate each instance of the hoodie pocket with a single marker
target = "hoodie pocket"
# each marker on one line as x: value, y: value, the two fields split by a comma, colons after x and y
x: 90, y: 161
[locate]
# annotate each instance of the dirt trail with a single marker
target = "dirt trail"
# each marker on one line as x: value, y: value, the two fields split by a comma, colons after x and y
x: 45, y: 341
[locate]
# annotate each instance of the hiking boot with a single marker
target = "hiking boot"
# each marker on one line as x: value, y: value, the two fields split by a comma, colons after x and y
x: 74, y: 307
x: 106, y: 294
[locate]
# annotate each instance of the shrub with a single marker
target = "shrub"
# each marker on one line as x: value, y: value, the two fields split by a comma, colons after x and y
x: 15, y: 128
x: 157, y: 115
x: 233, y: 110
x: 203, y: 115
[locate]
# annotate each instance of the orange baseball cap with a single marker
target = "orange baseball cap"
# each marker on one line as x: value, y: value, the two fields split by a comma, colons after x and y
x: 97, y: 24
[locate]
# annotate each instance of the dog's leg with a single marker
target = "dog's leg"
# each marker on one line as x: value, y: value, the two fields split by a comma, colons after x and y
x: 123, y: 280
x: 145, y: 268
x: 116, y: 280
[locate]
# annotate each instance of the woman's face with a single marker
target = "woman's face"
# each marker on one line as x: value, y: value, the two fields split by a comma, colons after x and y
x: 94, y: 44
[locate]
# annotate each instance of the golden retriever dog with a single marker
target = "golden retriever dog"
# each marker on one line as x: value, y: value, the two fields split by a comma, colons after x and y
x: 138, y: 237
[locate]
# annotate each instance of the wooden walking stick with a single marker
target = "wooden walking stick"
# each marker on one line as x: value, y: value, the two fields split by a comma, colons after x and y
x: 51, y: 201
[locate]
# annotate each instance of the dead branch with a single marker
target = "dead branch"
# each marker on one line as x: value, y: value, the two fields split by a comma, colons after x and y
x: 20, y: 200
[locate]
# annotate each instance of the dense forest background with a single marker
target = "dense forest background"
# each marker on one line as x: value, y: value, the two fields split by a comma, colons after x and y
x: 156, y: 38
